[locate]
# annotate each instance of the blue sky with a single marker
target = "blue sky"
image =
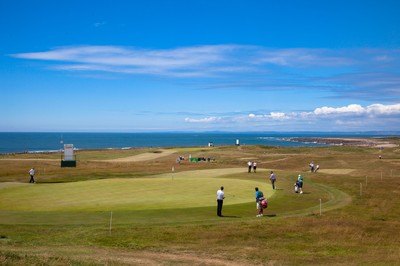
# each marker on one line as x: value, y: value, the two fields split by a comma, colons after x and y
x: 254, y: 65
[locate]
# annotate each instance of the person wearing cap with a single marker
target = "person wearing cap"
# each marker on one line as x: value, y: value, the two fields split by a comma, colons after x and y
x: 220, y: 200
x: 300, y: 182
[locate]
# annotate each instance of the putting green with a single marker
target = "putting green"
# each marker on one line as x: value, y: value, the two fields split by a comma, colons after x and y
x: 179, y: 190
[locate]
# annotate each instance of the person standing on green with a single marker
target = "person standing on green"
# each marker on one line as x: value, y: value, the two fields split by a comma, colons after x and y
x: 300, y: 182
x: 259, y: 198
x: 220, y: 200
x: 32, y: 174
x: 272, y: 177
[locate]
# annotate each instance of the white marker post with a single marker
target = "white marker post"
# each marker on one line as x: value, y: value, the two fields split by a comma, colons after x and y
x: 320, y: 207
x: 110, y: 222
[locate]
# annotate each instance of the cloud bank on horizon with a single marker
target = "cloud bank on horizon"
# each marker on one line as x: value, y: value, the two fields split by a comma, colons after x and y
x: 370, y: 75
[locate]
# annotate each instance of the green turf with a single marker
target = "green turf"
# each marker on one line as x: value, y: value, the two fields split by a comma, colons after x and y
x: 65, y: 218
x: 183, y: 197
x: 168, y: 191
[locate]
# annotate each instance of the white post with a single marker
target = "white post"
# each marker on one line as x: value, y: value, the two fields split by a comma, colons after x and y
x: 110, y: 222
x: 320, y: 207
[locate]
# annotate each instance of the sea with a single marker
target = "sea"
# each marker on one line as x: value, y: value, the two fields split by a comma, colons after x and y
x: 35, y: 142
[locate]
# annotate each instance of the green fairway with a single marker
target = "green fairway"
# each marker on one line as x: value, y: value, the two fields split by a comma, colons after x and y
x: 167, y: 191
x: 113, y: 211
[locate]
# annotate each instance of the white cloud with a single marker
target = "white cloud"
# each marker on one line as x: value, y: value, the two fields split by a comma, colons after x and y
x: 224, y: 57
x: 355, y: 109
x: 380, y: 109
x: 186, y: 61
x: 350, y: 117
x: 352, y: 108
x: 279, y: 116
x: 301, y: 57
x: 203, y: 120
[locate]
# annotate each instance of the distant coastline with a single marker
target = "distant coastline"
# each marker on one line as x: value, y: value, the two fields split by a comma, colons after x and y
x: 372, y: 142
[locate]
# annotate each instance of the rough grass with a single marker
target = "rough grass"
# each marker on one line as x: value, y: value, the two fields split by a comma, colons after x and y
x: 354, y: 228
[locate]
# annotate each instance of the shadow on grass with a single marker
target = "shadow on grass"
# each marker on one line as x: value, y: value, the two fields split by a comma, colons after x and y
x: 230, y: 216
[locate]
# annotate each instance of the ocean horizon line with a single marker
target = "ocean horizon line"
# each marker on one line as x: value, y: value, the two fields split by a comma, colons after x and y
x: 34, y: 142
x: 217, y: 132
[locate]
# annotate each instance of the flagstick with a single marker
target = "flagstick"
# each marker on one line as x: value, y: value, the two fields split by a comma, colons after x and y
x: 320, y: 207
x: 110, y: 222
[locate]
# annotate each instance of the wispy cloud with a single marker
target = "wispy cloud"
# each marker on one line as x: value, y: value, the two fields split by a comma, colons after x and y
x: 212, y: 119
x: 99, y: 24
x: 215, y: 58
x: 369, y: 74
x: 179, y: 62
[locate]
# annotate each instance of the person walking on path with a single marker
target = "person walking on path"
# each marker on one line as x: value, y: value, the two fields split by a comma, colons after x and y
x: 254, y: 167
x: 272, y: 177
x: 32, y: 174
x: 259, y: 198
x: 300, y: 183
x: 220, y: 200
x: 249, y: 164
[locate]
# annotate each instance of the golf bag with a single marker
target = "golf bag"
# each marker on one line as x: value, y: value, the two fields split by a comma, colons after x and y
x: 296, y: 187
x: 264, y: 203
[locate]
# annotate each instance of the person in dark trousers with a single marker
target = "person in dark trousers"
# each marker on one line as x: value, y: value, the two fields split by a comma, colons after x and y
x: 259, y: 198
x: 254, y: 167
x: 220, y: 200
x: 249, y: 165
x: 32, y: 174
x: 272, y: 177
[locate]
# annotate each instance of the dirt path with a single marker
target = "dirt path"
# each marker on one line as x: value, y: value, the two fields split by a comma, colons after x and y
x: 111, y: 256
x: 147, y: 156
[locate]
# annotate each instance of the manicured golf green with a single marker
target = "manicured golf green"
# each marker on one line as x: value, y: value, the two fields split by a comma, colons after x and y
x: 167, y: 191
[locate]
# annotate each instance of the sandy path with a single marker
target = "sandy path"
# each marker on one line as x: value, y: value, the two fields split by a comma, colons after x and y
x: 144, y: 156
